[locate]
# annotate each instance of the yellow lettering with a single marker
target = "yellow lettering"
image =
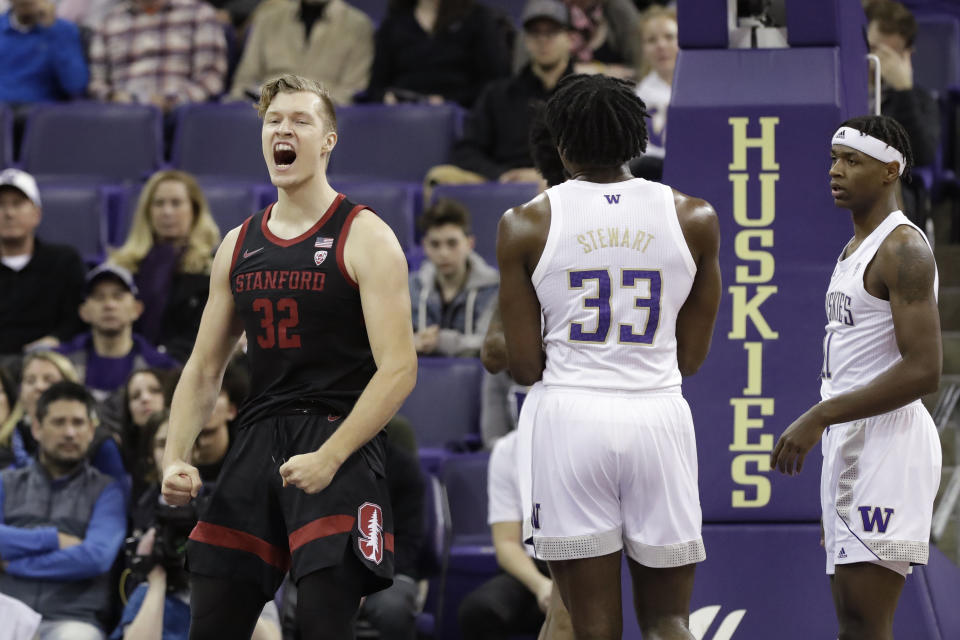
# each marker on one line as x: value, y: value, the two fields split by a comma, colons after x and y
x: 602, y: 237
x: 742, y: 423
x: 586, y: 246
x: 638, y: 241
x: 647, y: 244
x: 740, y: 475
x: 614, y: 234
x: 768, y: 199
x: 743, y: 309
x: 754, y: 368
x: 765, y: 258
x: 592, y: 239
x: 766, y: 142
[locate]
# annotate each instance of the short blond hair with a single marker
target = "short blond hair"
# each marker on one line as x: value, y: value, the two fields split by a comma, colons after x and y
x: 290, y: 83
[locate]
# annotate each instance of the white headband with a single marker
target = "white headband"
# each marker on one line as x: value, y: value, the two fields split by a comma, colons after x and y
x: 850, y: 137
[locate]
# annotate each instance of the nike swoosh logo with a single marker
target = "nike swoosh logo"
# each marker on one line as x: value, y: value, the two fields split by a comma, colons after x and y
x: 248, y: 253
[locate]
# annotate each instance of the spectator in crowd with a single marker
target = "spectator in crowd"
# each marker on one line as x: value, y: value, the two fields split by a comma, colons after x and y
x: 42, y: 55
x: 436, y: 51
x: 106, y: 355
x: 42, y: 283
x: 170, y: 251
x: 657, y: 31
x: 495, y: 139
x: 18, y: 448
x: 63, y: 522
x: 604, y: 37
x: 329, y: 41
x: 41, y: 370
x: 453, y: 291
x: 8, y: 398
x: 522, y: 598
x: 891, y: 30
x: 146, y: 392
x: 159, y: 606
x: 83, y: 13
x: 391, y: 612
x: 161, y: 52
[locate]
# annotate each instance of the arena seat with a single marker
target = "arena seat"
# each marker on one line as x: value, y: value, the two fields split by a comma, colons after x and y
x: 230, y: 202
x: 936, y: 59
x: 75, y: 214
x: 6, y: 137
x: 110, y: 142
x: 433, y: 553
x: 444, y: 407
x: 393, y: 143
x: 220, y: 140
x: 392, y: 201
x: 376, y: 9
x: 471, y: 559
x: 487, y: 202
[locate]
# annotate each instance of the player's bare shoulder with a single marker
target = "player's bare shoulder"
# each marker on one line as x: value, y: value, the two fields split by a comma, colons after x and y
x: 699, y: 222
x: 371, y: 243
x: 907, y: 265
x: 523, y: 229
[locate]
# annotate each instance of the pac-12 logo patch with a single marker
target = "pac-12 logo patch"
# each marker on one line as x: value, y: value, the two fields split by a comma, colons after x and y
x: 370, y: 527
x: 319, y: 257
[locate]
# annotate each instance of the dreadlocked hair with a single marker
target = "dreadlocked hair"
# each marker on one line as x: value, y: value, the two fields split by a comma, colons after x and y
x: 888, y: 130
x: 596, y: 120
x: 544, y: 152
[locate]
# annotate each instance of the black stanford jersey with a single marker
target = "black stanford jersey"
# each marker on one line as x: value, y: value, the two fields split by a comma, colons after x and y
x: 306, y: 337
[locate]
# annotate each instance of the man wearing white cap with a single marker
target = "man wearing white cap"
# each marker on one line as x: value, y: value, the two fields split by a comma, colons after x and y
x: 42, y: 283
x: 882, y: 353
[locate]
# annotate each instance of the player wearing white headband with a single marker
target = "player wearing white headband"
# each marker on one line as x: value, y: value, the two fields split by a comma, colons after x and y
x: 882, y: 353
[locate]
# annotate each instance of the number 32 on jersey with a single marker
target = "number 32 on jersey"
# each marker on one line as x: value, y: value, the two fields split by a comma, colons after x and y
x: 629, y: 279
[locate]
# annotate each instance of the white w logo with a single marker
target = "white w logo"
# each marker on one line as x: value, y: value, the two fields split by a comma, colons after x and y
x: 701, y: 619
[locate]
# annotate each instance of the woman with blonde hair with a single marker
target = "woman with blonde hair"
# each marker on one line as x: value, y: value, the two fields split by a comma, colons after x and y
x: 169, y: 249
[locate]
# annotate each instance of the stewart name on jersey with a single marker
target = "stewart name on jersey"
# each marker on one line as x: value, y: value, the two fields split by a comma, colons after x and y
x: 306, y: 337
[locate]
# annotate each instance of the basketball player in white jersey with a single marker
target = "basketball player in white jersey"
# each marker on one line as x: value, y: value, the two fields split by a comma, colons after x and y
x: 882, y: 352
x: 625, y: 275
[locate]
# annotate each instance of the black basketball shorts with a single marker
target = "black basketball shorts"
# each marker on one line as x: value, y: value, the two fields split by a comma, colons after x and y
x: 255, y: 530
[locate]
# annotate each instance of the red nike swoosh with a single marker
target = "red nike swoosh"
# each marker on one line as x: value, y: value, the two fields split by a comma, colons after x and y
x: 333, y: 418
x: 248, y: 253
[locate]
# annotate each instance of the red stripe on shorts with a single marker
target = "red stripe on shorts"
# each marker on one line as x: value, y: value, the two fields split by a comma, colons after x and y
x: 228, y: 538
x: 388, y: 542
x: 320, y: 528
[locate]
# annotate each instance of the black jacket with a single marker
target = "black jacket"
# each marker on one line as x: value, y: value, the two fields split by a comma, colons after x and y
x: 42, y: 298
x: 455, y: 62
x: 495, y: 134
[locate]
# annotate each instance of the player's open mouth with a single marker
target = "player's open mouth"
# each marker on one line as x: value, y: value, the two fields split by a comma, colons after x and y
x: 283, y: 155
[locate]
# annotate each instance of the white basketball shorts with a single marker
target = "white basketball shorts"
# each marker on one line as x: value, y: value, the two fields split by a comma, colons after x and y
x: 614, y: 469
x: 879, y: 481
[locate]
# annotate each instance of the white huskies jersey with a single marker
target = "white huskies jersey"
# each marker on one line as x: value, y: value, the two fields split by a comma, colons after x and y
x: 860, y: 343
x: 614, y: 273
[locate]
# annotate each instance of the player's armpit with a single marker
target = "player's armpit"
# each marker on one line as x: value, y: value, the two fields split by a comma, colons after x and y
x: 697, y: 316
x: 908, y: 269
x: 521, y: 235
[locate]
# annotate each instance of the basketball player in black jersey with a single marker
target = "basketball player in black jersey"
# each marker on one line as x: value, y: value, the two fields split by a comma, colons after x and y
x: 320, y: 287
